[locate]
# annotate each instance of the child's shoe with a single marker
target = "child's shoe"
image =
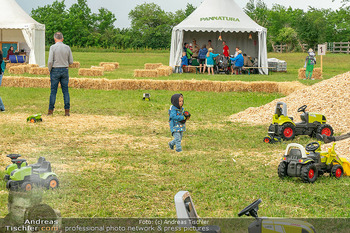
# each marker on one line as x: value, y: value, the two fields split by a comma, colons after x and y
x: 171, y: 146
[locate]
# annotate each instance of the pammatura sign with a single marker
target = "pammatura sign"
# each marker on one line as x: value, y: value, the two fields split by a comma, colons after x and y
x: 224, y: 18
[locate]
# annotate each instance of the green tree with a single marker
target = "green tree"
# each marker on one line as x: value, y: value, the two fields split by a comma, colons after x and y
x: 53, y: 16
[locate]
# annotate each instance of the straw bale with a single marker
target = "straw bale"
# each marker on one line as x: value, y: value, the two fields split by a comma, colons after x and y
x: 146, y: 73
x: 98, y: 68
x: 116, y: 64
x: 152, y: 66
x: 109, y: 67
x: 316, y: 73
x: 75, y: 65
x: 330, y: 97
x: 9, y: 65
x: 165, y: 71
x: 29, y: 66
x: 90, y: 72
x: 17, y: 70
x: 39, y: 71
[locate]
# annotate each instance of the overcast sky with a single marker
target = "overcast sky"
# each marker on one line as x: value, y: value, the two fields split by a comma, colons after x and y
x: 121, y: 8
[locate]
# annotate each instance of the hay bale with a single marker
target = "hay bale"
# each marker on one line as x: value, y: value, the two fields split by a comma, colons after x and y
x: 29, y: 66
x: 75, y: 65
x: 316, y: 73
x: 116, y: 64
x: 146, y: 73
x: 9, y: 65
x: 152, y: 66
x: 17, y: 70
x: 90, y: 72
x: 98, y: 68
x: 108, y: 67
x: 39, y: 71
x: 165, y: 70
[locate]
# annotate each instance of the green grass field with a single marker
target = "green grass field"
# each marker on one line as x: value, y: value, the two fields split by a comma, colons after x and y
x: 112, y: 156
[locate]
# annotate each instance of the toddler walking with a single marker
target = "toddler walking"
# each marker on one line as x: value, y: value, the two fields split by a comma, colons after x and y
x: 177, y: 121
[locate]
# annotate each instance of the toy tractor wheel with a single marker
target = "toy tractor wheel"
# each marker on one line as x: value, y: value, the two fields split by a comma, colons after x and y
x: 267, y: 139
x: 325, y: 129
x: 51, y: 182
x: 27, y: 186
x: 32, y: 120
x: 288, y: 131
x: 309, y: 173
x: 282, y: 170
x: 337, y: 171
x: 9, y: 185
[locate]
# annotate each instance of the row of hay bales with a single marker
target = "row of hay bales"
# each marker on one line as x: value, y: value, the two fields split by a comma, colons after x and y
x: 98, y: 70
x: 21, y: 68
x: 172, y: 85
x: 153, y: 70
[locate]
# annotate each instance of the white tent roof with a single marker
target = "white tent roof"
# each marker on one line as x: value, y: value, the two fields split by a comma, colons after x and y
x: 14, y: 17
x: 214, y: 17
x: 17, y: 26
x: 219, y: 15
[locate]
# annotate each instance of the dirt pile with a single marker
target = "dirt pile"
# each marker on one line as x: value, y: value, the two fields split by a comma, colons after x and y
x: 330, y: 98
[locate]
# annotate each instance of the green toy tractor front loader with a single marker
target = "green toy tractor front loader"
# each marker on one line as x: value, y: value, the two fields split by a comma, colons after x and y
x: 283, y: 126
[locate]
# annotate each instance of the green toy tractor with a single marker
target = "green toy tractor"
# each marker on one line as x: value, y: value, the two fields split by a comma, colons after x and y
x: 283, y: 127
x: 34, y: 118
x: 310, y: 162
x: 267, y: 225
x: 24, y: 177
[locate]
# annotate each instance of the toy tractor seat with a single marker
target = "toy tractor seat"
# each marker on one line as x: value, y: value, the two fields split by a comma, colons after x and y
x: 38, y: 164
x: 45, y: 167
x: 304, y: 117
x: 295, y: 153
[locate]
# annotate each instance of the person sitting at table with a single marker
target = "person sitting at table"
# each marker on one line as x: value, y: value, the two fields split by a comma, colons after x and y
x: 10, y: 52
x: 247, y: 62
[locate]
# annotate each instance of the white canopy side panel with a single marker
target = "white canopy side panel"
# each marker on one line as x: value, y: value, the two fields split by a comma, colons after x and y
x: 263, y: 53
x: 176, y: 48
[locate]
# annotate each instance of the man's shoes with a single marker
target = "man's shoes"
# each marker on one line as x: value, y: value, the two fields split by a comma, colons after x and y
x: 66, y: 112
x: 50, y: 112
x: 2, y: 110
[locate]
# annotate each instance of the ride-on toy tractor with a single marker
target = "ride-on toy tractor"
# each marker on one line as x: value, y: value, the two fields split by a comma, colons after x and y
x: 24, y: 177
x: 266, y: 225
x: 34, y: 118
x: 188, y: 219
x: 283, y: 127
x: 310, y: 162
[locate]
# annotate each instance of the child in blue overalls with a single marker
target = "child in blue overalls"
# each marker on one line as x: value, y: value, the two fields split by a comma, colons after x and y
x: 177, y: 121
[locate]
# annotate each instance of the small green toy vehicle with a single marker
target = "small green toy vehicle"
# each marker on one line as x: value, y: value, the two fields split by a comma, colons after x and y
x: 34, y: 118
x: 12, y: 166
x: 146, y: 96
x: 310, y: 162
x: 24, y: 177
x: 283, y: 127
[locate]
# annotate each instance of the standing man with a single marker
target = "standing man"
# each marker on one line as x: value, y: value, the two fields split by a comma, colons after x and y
x: 60, y: 57
x: 226, y: 50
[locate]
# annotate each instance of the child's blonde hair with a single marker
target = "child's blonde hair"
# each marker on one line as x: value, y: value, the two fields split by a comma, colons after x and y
x: 209, y: 50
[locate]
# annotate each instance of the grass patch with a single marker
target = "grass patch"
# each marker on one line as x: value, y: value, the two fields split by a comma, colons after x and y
x: 112, y: 158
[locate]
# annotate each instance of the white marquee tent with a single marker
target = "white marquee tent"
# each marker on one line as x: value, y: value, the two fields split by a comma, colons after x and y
x: 214, y: 18
x: 17, y: 26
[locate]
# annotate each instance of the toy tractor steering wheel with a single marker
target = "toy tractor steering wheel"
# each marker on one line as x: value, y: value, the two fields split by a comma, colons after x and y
x: 312, y: 146
x: 251, y: 209
x: 302, y: 108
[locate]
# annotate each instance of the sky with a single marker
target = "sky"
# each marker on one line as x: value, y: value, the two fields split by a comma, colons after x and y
x: 121, y: 8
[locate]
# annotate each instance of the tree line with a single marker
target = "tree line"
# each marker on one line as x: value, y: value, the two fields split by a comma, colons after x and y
x: 151, y: 26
